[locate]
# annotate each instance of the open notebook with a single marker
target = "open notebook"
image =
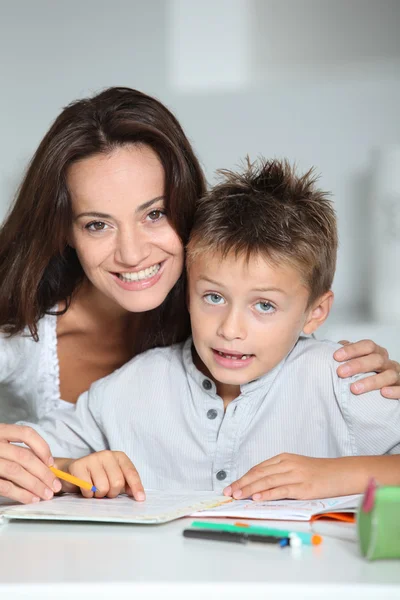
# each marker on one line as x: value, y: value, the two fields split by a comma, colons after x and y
x: 159, y: 507
x: 164, y: 506
x: 287, y: 510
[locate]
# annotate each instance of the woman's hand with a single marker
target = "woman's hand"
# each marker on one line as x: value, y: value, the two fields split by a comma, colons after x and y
x: 24, y: 472
x: 111, y: 472
x: 366, y: 356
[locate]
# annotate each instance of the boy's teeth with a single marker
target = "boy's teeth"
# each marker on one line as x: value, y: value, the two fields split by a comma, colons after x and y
x: 236, y: 357
x: 139, y: 275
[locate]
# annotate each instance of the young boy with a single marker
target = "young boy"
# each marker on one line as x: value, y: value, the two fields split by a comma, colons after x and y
x: 252, y: 405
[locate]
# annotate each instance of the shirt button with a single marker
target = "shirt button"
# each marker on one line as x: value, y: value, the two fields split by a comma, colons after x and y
x: 212, y: 413
x: 221, y: 475
x: 207, y: 385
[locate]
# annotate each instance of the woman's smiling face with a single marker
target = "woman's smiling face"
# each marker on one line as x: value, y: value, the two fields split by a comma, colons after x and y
x: 124, y: 241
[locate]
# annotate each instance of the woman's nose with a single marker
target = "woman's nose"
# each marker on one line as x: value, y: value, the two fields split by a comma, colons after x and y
x: 133, y: 247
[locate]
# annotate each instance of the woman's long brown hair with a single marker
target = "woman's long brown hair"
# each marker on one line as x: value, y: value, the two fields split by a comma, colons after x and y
x: 38, y: 270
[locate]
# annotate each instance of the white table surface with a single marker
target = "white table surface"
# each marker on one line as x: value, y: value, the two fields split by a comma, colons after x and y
x: 78, y: 560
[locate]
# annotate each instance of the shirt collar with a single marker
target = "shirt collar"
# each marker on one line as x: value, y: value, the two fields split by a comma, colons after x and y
x: 265, y: 381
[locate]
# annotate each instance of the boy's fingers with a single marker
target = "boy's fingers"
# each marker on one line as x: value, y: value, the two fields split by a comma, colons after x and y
x: 257, y: 473
x: 81, y: 469
x: 29, y: 437
x: 100, y: 477
x: 132, y: 477
x: 292, y: 491
x: 266, y: 483
x: 114, y: 474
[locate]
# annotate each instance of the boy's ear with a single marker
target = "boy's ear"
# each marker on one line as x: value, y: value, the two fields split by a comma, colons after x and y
x: 318, y: 312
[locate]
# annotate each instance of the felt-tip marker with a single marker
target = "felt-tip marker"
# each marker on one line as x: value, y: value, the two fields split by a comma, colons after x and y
x: 229, y: 536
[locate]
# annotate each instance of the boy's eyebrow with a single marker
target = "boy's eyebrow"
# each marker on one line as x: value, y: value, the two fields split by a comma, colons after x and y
x: 269, y: 289
x: 257, y: 289
x: 139, y: 209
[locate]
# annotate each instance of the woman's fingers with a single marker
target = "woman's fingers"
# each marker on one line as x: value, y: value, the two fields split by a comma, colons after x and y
x: 21, y: 468
x: 24, y: 473
x: 392, y: 392
x: 366, y: 364
x: 13, y: 492
x: 358, y: 350
x: 375, y: 382
x: 388, y: 371
x: 29, y: 437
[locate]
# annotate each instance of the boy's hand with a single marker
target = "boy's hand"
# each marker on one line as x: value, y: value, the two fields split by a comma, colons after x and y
x: 24, y: 472
x: 299, y: 478
x: 111, y: 472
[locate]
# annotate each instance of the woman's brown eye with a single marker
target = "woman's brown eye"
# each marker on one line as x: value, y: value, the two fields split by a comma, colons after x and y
x: 154, y: 215
x: 95, y: 226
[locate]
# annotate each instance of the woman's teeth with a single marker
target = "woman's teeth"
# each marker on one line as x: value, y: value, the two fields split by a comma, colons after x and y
x: 140, y: 275
x: 236, y: 357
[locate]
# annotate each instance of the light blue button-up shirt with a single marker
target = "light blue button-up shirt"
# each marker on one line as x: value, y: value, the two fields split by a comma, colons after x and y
x: 167, y: 417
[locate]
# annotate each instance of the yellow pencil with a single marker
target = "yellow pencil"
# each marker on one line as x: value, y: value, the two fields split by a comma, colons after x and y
x: 71, y: 479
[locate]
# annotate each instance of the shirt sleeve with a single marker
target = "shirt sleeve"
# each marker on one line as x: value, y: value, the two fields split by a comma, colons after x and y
x: 373, y: 421
x: 74, y: 431
x: 11, y: 355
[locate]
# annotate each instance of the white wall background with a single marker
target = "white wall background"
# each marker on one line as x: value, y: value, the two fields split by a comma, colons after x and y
x: 317, y: 81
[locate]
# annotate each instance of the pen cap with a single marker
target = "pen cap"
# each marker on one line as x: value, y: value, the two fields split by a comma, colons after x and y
x: 379, y: 526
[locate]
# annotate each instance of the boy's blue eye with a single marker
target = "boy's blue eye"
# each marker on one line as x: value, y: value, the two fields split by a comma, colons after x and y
x: 214, y: 299
x: 265, y: 307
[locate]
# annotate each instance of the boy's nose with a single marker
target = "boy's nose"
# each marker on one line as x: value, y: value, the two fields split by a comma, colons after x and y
x: 232, y: 327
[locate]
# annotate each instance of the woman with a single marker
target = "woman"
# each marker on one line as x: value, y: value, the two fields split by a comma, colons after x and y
x: 91, y: 266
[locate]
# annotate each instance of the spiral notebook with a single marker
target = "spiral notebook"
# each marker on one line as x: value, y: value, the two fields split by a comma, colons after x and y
x: 159, y: 507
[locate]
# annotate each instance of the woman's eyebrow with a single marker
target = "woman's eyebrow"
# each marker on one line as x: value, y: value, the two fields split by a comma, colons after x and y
x: 93, y: 214
x: 139, y: 209
x: 149, y: 203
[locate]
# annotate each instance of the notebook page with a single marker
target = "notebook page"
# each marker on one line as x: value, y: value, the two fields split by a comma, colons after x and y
x: 159, y: 507
x: 286, y: 510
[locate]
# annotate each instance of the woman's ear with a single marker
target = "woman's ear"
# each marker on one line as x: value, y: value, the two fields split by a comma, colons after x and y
x: 318, y: 313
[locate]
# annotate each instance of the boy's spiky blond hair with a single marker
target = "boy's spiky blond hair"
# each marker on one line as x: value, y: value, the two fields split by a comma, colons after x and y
x: 268, y: 209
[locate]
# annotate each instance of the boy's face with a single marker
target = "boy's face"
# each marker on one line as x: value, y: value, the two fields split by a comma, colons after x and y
x: 246, y: 316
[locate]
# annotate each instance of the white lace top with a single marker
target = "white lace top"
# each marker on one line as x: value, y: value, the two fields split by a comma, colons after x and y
x: 29, y: 374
